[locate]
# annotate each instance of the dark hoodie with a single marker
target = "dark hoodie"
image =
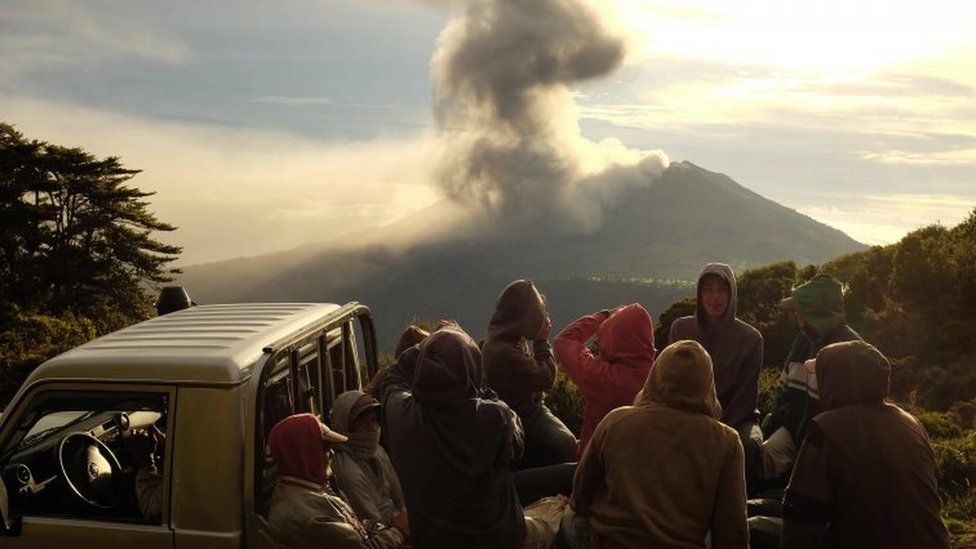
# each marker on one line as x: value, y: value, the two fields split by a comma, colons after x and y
x: 451, y: 444
x: 519, y: 375
x: 627, y: 351
x: 736, y: 349
x: 865, y: 475
x: 666, y: 472
x: 820, y: 301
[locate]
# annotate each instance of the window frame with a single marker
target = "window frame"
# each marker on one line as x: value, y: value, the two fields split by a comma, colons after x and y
x: 13, y: 418
x: 323, y: 335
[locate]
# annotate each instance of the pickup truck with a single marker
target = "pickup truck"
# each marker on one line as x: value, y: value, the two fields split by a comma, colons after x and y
x: 211, y: 380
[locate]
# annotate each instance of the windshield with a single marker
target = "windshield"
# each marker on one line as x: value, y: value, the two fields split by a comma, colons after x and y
x: 52, y: 423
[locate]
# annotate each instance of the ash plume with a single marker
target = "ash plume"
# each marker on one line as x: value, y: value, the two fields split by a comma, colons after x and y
x: 503, y: 78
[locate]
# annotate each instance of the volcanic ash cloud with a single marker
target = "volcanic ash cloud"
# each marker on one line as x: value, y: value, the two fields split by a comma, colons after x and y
x: 503, y: 78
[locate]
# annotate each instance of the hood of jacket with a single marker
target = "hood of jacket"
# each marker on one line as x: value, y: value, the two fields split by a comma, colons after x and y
x: 726, y: 273
x: 519, y: 312
x: 347, y: 407
x: 851, y: 372
x: 820, y: 302
x: 448, y: 368
x: 682, y: 379
x: 627, y: 335
x: 297, y: 449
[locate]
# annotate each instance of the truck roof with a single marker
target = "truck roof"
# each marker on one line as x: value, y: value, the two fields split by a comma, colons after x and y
x: 206, y: 343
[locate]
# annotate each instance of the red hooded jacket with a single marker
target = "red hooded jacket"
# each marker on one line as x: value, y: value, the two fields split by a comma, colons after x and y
x: 296, y: 447
x: 626, y: 340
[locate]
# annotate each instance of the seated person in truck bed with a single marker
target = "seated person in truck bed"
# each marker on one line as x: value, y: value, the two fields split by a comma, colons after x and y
x: 452, y: 443
x: 305, y: 510
x: 362, y: 468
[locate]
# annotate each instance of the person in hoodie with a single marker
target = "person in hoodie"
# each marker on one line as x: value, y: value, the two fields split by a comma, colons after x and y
x: 736, y: 349
x: 666, y: 472
x: 865, y: 474
x: 819, y: 307
x: 520, y: 367
x: 363, y: 470
x: 626, y: 345
x: 452, y: 444
x: 305, y: 510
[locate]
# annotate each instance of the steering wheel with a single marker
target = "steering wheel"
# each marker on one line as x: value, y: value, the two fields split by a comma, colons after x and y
x: 90, y: 469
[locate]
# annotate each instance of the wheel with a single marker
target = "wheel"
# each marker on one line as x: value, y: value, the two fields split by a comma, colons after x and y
x: 90, y: 469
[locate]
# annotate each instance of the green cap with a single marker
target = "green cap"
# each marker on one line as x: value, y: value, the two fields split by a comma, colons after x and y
x: 820, y: 301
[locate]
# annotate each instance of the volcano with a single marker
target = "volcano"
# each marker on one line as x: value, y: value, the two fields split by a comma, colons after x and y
x: 648, y: 248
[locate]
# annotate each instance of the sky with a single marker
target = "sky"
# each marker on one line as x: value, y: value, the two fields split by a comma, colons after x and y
x: 265, y: 126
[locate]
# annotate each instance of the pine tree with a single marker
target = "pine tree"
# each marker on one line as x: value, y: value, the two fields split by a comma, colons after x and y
x: 74, y: 236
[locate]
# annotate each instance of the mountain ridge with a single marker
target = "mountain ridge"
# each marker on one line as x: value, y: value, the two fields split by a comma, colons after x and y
x: 436, y: 264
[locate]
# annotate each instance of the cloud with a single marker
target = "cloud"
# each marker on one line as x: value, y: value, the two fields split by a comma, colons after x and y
x: 962, y: 157
x: 235, y: 192
x: 293, y: 101
x: 41, y: 35
x: 883, y: 219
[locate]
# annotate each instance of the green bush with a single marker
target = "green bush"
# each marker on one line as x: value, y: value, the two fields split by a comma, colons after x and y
x: 955, y: 464
x: 33, y: 338
x: 768, y: 382
x: 965, y: 413
x: 566, y: 402
x: 940, y: 425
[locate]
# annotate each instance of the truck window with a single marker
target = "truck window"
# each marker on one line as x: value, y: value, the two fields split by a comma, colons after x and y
x: 89, y: 455
x: 279, y: 394
x: 364, y: 358
x: 353, y: 356
x: 337, y: 366
x: 310, y: 378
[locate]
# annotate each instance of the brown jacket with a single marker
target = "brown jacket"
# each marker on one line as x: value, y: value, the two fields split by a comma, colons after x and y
x: 865, y: 475
x: 666, y: 472
x: 519, y: 375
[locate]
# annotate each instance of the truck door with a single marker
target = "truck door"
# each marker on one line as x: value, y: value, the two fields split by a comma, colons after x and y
x: 88, y: 466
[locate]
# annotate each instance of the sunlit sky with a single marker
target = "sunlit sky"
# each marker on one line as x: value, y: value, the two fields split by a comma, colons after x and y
x: 262, y: 127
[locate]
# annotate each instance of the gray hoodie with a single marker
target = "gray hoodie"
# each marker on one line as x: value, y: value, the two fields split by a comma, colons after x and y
x: 361, y: 466
x: 736, y: 349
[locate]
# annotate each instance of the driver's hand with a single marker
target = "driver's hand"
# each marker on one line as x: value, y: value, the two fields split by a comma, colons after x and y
x: 141, y: 443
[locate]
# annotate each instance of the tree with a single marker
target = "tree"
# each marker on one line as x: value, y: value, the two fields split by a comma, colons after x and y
x: 74, y: 237
x: 31, y: 340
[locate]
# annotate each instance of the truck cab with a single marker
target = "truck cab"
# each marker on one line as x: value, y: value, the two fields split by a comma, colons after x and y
x: 210, y: 382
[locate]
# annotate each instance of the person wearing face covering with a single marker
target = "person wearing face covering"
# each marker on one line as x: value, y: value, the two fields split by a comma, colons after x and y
x: 865, y: 474
x: 520, y: 367
x: 665, y: 472
x: 305, y: 510
x: 626, y: 343
x: 736, y: 349
x: 452, y: 444
x: 362, y: 468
